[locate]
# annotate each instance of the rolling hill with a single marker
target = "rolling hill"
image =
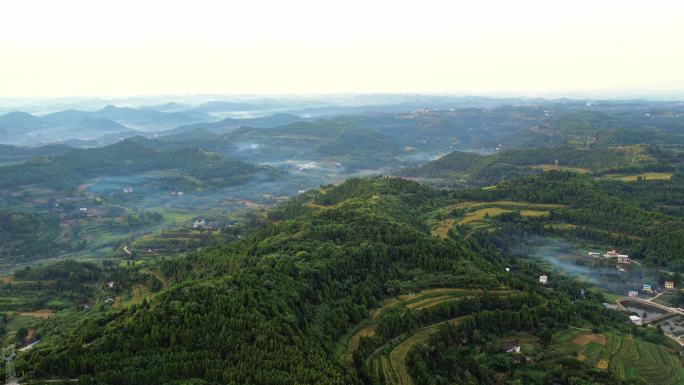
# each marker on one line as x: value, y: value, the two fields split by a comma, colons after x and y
x: 274, y: 307
x: 125, y: 158
x: 470, y: 169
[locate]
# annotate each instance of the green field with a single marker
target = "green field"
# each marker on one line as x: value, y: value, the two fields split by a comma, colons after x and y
x: 625, y: 356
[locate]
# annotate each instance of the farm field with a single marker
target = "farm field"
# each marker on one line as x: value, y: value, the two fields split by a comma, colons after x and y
x: 625, y: 356
x: 549, y: 167
x: 475, y: 213
x: 643, y: 176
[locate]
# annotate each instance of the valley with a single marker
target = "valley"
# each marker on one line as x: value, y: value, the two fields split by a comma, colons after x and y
x: 388, y: 245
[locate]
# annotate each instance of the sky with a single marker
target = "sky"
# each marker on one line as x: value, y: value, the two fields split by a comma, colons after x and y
x: 147, y: 47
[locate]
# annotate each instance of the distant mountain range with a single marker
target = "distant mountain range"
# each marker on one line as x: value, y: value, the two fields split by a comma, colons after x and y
x: 108, y: 119
x: 228, y: 124
x: 20, y: 122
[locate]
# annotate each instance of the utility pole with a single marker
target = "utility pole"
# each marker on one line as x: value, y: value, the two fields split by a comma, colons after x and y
x: 10, y: 374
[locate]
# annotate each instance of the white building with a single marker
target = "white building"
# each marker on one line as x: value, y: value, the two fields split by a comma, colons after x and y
x: 623, y: 259
x: 611, y: 254
x: 635, y: 319
x: 543, y: 279
x: 633, y: 294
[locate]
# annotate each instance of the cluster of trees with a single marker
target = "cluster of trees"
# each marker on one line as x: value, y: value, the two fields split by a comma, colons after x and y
x: 25, y: 235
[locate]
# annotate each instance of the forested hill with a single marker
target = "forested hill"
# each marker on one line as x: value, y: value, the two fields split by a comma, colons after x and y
x: 481, y: 170
x: 268, y: 309
x: 125, y: 158
x: 274, y: 307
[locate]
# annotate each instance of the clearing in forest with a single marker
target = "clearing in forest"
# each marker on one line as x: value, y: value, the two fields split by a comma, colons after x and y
x: 585, y: 339
x: 643, y: 176
x: 549, y: 167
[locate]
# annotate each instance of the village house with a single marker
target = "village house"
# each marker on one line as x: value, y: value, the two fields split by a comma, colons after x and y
x: 646, y: 287
x: 543, y: 279
x: 623, y: 259
x: 611, y: 254
x: 669, y: 285
x: 199, y: 224
x: 635, y: 319
x: 633, y: 294
x: 594, y: 254
x: 512, y: 348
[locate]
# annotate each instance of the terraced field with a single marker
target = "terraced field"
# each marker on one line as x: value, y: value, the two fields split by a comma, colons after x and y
x: 349, y: 342
x: 475, y: 213
x: 389, y: 361
x: 397, y: 357
x: 625, y: 356
x: 643, y: 176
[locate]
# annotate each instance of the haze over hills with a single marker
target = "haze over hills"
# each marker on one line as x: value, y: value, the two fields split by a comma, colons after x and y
x: 264, y: 247
x: 342, y: 193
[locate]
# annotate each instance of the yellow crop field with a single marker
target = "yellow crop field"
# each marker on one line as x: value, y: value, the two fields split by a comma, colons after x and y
x: 644, y: 176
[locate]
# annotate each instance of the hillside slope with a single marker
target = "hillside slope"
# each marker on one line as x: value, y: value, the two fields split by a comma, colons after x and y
x: 274, y: 307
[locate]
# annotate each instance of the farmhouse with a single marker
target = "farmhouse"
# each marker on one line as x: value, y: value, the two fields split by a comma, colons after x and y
x: 623, y: 259
x: 543, y: 279
x: 669, y: 285
x: 199, y: 224
x: 512, y: 348
x: 611, y: 254
x: 635, y: 319
x: 594, y: 254
x: 633, y: 294
x: 646, y: 287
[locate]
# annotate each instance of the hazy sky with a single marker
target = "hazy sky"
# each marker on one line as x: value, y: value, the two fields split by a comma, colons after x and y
x: 134, y: 47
